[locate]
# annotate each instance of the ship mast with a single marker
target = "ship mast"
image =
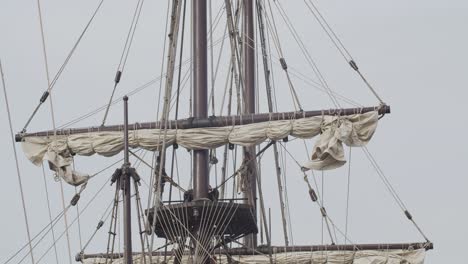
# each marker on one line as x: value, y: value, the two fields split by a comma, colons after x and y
x: 200, y: 95
x: 125, y: 181
x: 248, y: 54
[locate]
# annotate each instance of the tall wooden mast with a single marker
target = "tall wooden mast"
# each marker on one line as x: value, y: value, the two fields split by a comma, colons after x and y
x: 248, y: 73
x: 125, y: 186
x: 200, y: 106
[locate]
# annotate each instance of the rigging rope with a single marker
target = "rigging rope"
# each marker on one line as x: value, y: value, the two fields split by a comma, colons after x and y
x: 79, y: 223
x: 73, y: 202
x: 265, y: 58
x: 55, y: 220
x: 59, y: 216
x: 101, y: 222
x: 117, y: 100
x: 281, y: 58
x: 316, y: 197
x: 295, y: 72
x: 305, y: 52
x: 210, y: 11
x: 125, y: 53
x: 65, y: 220
x: 339, y: 45
x: 348, y: 192
x: 45, y: 95
x: 64, y: 232
x: 49, y: 210
x: 262, y: 210
x: 46, y: 64
x: 392, y: 191
x: 7, y: 106
x: 172, y: 52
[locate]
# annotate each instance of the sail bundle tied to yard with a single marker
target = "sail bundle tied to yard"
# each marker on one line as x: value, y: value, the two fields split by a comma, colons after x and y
x: 318, y: 257
x: 328, y: 153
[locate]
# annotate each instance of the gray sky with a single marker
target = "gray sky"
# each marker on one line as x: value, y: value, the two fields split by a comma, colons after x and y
x: 414, y: 52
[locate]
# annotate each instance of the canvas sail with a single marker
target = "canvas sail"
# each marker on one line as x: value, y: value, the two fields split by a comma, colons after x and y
x: 316, y: 257
x: 328, y: 152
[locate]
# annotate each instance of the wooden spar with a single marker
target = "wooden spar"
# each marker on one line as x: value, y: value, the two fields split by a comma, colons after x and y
x: 279, y: 249
x: 126, y: 182
x: 213, y: 121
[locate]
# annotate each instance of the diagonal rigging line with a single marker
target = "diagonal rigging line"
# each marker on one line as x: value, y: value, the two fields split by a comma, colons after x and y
x: 325, y: 215
x: 328, y: 30
x: 185, y: 228
x: 392, y: 191
x: 104, y: 218
x: 125, y: 53
x: 46, y: 64
x: 171, y: 60
x: 339, y: 45
x: 61, y: 235
x: 132, y: 92
x: 71, y: 224
x: 305, y: 52
x: 7, y: 106
x: 65, y: 63
x: 294, y: 72
x: 54, y: 221
x: 49, y: 211
x: 59, y: 216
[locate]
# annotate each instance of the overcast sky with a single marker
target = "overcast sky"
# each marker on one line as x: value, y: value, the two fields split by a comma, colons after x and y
x: 414, y: 52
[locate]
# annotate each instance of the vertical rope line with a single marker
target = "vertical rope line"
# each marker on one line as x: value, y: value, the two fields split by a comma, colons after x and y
x: 124, y: 56
x: 331, y: 30
x: 347, y: 193
x: 210, y: 10
x: 339, y: 45
x: 326, y: 31
x: 44, y: 50
x: 172, y: 53
x: 322, y: 200
x: 7, y: 106
x: 62, y: 68
x: 49, y: 211
x: 152, y: 180
x: 65, y: 219
x: 286, y: 197
x: 78, y: 214
x: 46, y: 64
x: 306, y: 53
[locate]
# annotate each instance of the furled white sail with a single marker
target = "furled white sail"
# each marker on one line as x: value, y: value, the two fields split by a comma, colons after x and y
x: 328, y: 153
x: 317, y: 257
